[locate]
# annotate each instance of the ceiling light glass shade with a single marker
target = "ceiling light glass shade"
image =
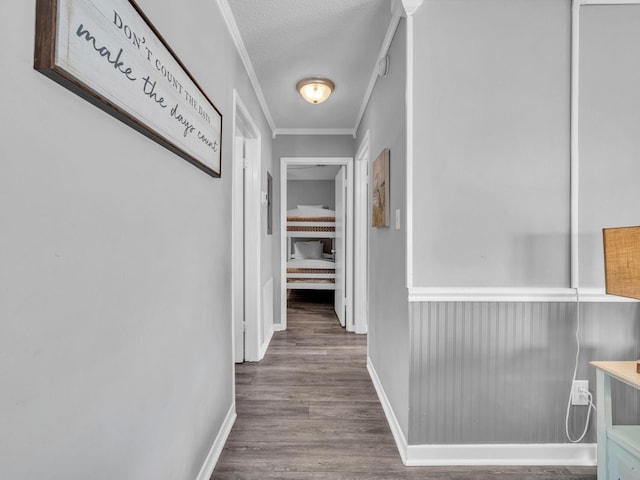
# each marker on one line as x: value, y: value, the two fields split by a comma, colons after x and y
x: 315, y: 90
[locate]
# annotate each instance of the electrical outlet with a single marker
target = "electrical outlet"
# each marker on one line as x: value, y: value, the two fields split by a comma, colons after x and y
x: 577, y: 397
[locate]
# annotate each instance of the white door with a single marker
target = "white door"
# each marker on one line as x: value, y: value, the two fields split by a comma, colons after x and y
x: 340, y: 244
x: 238, y: 250
x: 246, y: 238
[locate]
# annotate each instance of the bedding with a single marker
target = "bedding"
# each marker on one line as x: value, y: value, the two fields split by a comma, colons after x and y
x: 309, y: 206
x: 311, y: 219
x: 311, y: 273
x: 310, y: 211
x: 311, y: 263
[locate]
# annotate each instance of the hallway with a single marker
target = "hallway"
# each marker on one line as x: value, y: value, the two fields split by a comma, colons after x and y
x: 310, y: 411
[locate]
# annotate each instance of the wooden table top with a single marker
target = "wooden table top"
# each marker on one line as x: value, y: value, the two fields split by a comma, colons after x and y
x: 623, y: 371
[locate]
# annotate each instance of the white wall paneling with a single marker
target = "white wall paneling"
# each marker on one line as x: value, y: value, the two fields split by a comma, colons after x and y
x: 500, y: 372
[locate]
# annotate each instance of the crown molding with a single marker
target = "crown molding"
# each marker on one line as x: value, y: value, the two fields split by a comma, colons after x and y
x: 405, y: 8
x: 579, y: 3
x: 232, y: 26
x: 315, y: 131
x: 384, y: 50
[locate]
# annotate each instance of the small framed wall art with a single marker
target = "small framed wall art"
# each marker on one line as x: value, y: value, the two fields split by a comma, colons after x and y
x: 380, y: 190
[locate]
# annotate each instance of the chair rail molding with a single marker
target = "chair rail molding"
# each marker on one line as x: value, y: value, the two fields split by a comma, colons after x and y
x: 492, y: 295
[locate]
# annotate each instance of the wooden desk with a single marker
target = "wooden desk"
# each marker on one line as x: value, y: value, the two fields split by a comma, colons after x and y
x: 618, y: 445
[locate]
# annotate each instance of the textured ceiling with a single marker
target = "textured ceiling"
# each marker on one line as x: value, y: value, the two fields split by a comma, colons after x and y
x: 288, y: 40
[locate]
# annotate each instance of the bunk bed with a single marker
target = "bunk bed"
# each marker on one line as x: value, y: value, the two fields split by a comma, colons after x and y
x: 310, y: 253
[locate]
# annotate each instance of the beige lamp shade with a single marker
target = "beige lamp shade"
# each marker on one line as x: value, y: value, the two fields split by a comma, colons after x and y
x: 622, y: 261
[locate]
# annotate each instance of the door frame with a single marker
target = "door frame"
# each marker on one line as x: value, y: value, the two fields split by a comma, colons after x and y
x: 246, y: 310
x: 285, y: 162
x: 340, y: 241
x: 361, y: 236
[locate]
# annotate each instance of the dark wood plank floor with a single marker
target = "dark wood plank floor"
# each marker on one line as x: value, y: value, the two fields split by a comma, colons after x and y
x: 310, y: 411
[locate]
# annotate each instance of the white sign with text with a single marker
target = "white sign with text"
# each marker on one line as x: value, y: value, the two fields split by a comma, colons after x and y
x: 108, y: 47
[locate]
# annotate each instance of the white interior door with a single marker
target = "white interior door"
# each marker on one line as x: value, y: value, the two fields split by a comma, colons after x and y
x: 246, y: 238
x: 340, y: 245
x: 238, y: 250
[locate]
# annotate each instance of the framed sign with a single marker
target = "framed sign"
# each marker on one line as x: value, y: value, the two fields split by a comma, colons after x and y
x: 380, y: 190
x: 109, y: 53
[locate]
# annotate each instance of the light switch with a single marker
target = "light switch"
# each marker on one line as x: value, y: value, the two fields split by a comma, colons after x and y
x: 398, y: 219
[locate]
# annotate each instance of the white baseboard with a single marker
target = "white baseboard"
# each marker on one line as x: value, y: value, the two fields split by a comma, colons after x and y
x: 218, y: 444
x: 542, y: 454
x: 278, y: 327
x: 539, y: 454
x: 267, y: 342
x: 396, y: 430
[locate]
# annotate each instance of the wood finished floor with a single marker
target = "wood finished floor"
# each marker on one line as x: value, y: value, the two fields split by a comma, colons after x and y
x: 310, y: 411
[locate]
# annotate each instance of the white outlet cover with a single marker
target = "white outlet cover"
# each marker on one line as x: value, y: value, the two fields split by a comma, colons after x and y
x: 578, y: 398
x: 398, y: 219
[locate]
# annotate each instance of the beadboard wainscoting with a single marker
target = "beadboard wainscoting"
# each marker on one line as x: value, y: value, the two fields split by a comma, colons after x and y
x: 499, y: 374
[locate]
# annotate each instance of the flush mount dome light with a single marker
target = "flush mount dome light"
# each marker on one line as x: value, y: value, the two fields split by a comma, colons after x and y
x: 315, y: 90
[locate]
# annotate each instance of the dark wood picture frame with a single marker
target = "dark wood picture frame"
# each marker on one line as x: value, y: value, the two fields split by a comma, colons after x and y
x: 167, y: 105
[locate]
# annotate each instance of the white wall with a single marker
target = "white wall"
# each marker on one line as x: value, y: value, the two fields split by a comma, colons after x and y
x: 388, y: 333
x: 609, y: 118
x: 492, y: 200
x: 115, y: 332
x: 311, y: 192
x: 492, y: 170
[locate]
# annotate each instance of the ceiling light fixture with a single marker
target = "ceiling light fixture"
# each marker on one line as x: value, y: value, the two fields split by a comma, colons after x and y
x: 315, y: 90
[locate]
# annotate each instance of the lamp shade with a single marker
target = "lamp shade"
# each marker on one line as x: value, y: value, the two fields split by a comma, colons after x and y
x: 622, y: 261
x: 315, y: 90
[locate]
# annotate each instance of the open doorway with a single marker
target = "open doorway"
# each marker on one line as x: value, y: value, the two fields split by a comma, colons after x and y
x: 317, y: 241
x: 245, y: 246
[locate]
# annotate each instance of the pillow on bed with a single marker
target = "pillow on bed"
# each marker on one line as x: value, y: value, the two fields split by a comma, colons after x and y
x: 308, y: 250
